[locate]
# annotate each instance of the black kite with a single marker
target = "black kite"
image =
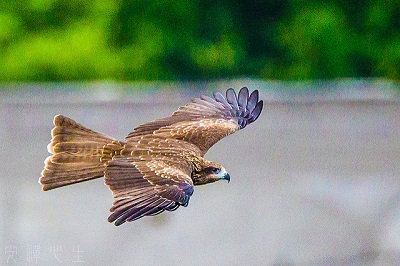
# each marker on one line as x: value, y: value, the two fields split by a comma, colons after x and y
x: 159, y: 163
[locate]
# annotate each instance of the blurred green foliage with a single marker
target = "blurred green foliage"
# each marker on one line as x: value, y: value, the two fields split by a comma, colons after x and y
x: 51, y: 40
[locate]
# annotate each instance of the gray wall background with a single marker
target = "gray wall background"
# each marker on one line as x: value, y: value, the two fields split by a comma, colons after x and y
x: 314, y: 181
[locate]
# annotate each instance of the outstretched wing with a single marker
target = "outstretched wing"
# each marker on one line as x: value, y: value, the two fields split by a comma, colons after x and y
x: 149, y: 178
x: 205, y: 120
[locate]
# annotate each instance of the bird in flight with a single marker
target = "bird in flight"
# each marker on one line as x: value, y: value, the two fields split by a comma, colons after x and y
x: 157, y: 165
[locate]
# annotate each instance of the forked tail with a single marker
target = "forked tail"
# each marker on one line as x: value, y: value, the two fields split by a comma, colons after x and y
x: 79, y: 154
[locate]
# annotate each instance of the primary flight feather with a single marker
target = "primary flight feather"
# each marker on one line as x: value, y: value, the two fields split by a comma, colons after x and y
x: 159, y: 163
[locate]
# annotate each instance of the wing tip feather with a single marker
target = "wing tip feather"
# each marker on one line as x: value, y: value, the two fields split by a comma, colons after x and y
x: 244, y: 106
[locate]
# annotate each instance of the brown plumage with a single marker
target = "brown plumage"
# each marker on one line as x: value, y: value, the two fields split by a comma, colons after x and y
x: 158, y: 164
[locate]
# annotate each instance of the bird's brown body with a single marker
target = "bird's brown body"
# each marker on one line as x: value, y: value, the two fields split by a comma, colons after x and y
x: 158, y: 164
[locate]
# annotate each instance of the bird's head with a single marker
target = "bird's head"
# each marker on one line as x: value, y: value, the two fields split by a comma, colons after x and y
x: 210, y: 173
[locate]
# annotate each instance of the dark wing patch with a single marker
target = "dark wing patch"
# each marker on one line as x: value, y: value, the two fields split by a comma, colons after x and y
x: 139, y: 194
x: 205, y: 120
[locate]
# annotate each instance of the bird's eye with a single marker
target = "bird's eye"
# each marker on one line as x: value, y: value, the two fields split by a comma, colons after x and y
x: 215, y: 170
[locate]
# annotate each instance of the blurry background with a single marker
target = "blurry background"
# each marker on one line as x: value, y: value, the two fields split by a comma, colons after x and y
x: 315, y: 180
x: 42, y: 40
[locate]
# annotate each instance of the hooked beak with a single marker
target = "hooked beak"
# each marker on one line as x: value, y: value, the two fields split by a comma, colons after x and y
x: 227, y: 177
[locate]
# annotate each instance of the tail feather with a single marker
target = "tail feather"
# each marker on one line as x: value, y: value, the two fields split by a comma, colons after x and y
x: 77, y: 154
x: 77, y: 148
